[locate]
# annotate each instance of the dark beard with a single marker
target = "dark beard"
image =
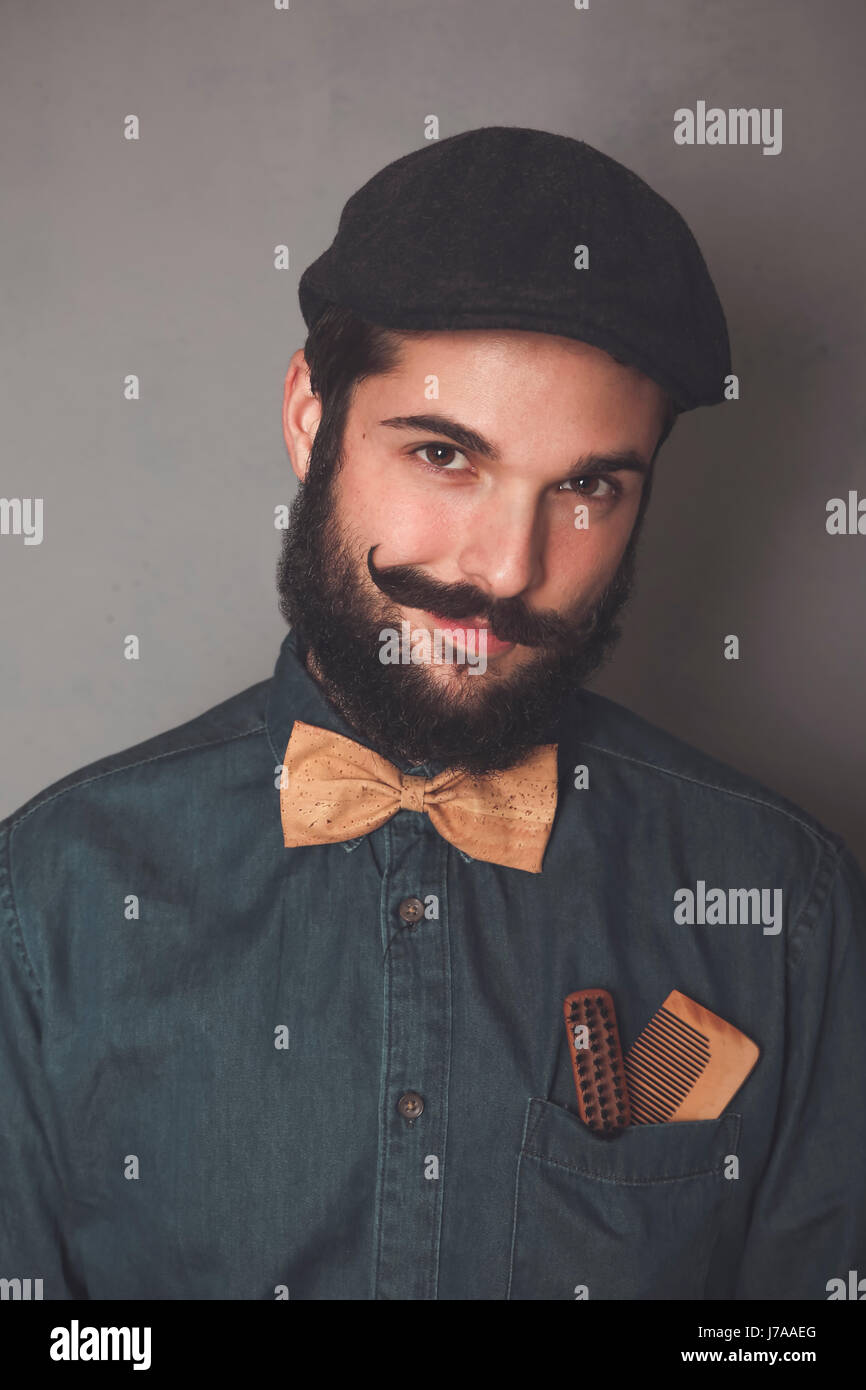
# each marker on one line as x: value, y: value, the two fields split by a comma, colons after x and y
x: 477, y: 723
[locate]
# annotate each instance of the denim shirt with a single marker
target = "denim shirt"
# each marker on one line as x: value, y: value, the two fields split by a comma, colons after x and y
x: 207, y: 1039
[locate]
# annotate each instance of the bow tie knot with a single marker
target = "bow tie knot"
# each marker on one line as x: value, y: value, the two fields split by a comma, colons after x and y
x: 412, y: 792
x: 336, y: 789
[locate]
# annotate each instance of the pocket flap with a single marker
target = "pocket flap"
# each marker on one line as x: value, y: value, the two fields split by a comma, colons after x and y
x: 637, y: 1154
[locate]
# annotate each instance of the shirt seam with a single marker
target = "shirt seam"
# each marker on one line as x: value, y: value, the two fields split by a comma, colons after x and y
x: 13, y: 919
x: 814, y: 907
x: 16, y: 820
x: 623, y: 1182
x: 824, y: 839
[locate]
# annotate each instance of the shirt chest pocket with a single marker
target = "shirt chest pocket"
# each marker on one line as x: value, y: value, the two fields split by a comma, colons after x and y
x: 635, y: 1216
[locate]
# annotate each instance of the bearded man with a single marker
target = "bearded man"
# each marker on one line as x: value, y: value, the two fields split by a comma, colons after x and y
x: 420, y: 971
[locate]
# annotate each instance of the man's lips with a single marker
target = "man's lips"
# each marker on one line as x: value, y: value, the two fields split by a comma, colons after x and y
x: 493, y: 644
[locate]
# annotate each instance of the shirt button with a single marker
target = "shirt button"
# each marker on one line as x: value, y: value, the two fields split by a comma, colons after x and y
x: 410, y: 1105
x: 411, y: 910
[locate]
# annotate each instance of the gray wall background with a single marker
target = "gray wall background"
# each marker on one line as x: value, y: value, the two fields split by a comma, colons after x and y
x: 156, y: 257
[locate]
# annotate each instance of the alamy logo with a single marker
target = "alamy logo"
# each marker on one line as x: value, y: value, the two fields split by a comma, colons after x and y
x: 22, y: 516
x: 419, y: 646
x: 738, y: 905
x: 75, y: 1343
x: 846, y: 521
x: 738, y: 125
x: 854, y: 1289
x: 21, y: 1289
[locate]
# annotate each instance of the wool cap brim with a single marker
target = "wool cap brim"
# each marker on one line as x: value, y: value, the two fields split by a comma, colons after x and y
x: 481, y: 230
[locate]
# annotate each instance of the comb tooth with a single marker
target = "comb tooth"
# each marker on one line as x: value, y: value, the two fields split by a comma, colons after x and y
x: 683, y: 1041
x: 682, y: 1025
x: 670, y: 1020
x: 645, y: 1059
x: 640, y: 1116
x: 638, y: 1073
x: 654, y: 1072
x: 655, y: 1079
x: 648, y: 1089
x: 648, y: 1100
x: 663, y: 1035
x: 653, y: 1058
x: 658, y: 1043
x: 689, y: 1037
x: 651, y: 1086
x: 655, y: 1045
x: 651, y: 1105
x: 686, y: 1043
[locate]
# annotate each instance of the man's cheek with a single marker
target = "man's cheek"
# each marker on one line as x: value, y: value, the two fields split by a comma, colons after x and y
x: 576, y: 565
x: 594, y: 554
x: 410, y: 540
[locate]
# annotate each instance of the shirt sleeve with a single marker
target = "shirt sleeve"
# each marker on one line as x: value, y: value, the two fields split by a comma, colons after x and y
x: 808, y: 1220
x: 32, y: 1193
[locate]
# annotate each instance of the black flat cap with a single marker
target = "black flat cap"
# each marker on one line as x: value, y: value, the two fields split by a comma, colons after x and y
x: 479, y: 231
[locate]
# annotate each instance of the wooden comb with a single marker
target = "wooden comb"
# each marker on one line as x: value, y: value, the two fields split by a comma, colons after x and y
x: 597, y: 1062
x: 686, y: 1064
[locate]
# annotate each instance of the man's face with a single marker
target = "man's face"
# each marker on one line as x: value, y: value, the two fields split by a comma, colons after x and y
x: 503, y: 507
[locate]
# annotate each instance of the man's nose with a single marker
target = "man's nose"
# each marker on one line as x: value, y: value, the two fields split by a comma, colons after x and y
x: 502, y: 552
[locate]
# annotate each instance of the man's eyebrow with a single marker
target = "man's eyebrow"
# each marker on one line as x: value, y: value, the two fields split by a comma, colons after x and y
x: 470, y: 440
x: 588, y: 465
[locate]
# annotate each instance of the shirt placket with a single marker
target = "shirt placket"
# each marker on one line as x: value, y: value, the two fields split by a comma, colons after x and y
x: 413, y: 1098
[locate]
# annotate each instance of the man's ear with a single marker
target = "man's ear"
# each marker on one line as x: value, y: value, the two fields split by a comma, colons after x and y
x: 302, y: 412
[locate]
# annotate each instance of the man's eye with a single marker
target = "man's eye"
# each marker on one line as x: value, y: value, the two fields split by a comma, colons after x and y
x: 578, y: 485
x: 440, y: 464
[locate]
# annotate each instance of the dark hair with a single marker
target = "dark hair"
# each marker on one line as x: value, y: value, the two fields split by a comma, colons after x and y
x: 342, y: 350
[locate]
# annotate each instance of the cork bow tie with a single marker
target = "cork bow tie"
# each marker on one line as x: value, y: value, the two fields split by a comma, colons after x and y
x: 335, y: 789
